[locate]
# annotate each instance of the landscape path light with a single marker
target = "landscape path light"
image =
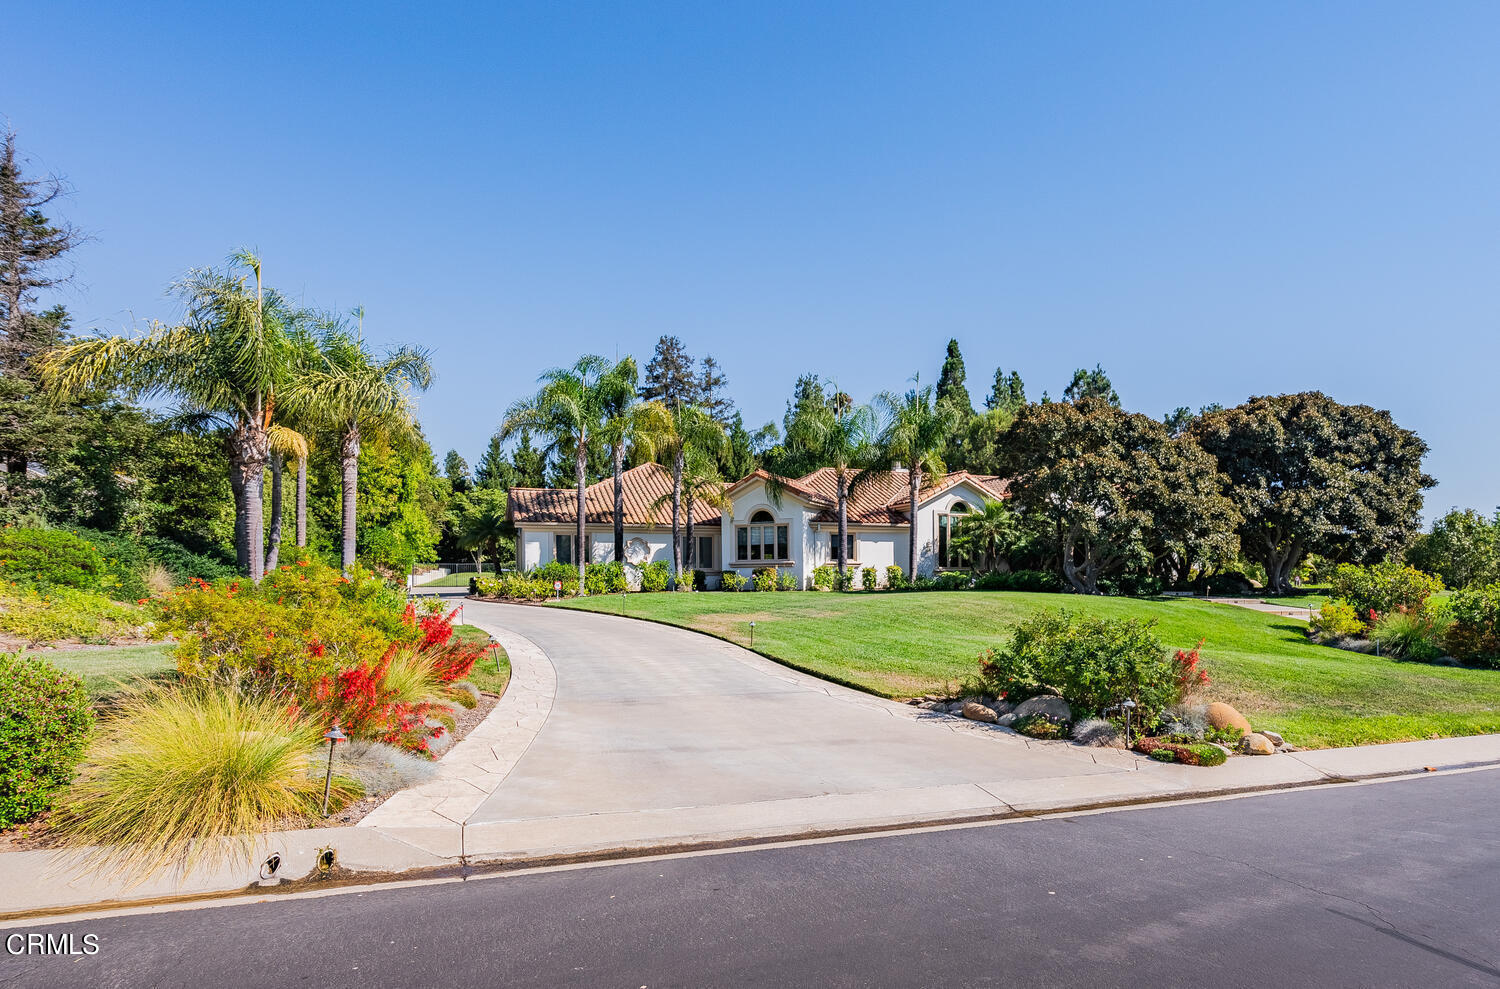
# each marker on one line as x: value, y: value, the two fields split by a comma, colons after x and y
x: 752, y: 634
x: 335, y: 735
x: 1128, y: 705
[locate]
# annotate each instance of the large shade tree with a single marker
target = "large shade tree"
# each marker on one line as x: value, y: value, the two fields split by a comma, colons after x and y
x: 1311, y: 475
x: 914, y: 430
x: 360, y: 395
x: 1115, y: 487
x: 228, y: 360
x: 568, y: 412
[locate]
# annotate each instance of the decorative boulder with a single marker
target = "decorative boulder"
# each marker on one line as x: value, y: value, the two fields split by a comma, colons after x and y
x: 975, y: 711
x: 1276, y: 739
x: 1257, y: 744
x: 1221, y: 715
x: 1053, y: 707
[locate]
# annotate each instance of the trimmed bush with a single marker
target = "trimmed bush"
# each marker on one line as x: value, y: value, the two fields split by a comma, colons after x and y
x: 1384, y: 587
x: 1094, y: 662
x: 44, y: 726
x: 50, y: 558
x: 604, y: 578
x: 1034, y: 581
x: 787, y: 582
x: 202, y: 762
x: 1473, y: 635
x: 655, y: 576
x: 550, y: 573
x: 1336, y: 620
x: 765, y: 579
x: 953, y: 580
x: 824, y: 577
x: 517, y: 587
x: 1041, y: 726
x: 868, y: 577
x: 731, y: 580
x: 895, y: 578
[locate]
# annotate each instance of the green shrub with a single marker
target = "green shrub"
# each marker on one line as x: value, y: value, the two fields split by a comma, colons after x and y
x: 60, y: 613
x: 518, y: 587
x: 1185, y: 751
x: 44, y: 725
x: 1473, y: 633
x: 895, y: 577
x: 787, y: 582
x: 953, y: 580
x: 554, y: 572
x: 604, y: 578
x: 868, y: 577
x: 1336, y: 620
x: 824, y: 577
x: 731, y: 580
x: 177, y: 767
x: 50, y: 558
x: 1384, y: 587
x: 766, y: 579
x: 1041, y: 726
x: 1035, y: 581
x: 1413, y: 634
x: 655, y: 576
x: 1093, y: 662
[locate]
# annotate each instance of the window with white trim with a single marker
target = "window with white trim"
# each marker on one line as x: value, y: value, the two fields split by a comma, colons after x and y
x: 762, y: 540
x: 833, y: 547
x: 949, y: 556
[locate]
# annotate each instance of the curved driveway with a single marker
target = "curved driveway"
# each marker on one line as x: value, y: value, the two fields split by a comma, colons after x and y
x: 659, y: 733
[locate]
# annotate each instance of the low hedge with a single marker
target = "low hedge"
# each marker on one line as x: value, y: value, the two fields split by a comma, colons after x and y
x: 51, y: 558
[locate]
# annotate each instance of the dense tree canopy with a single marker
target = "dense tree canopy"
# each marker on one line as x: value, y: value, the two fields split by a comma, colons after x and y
x: 1311, y: 475
x: 1463, y: 548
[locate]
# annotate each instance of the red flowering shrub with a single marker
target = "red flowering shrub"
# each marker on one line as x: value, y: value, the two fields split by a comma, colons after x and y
x: 1190, y: 679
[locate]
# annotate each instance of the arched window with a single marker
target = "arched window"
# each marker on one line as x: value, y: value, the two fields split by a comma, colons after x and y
x: 949, y: 558
x: 762, y: 540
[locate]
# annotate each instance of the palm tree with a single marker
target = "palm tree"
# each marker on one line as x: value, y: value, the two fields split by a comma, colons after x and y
x: 701, y: 481
x: 839, y: 435
x: 628, y: 422
x: 227, y: 362
x: 568, y: 410
x: 987, y: 533
x: 689, y: 430
x: 479, y: 524
x: 283, y: 443
x: 915, y: 431
x: 361, y: 395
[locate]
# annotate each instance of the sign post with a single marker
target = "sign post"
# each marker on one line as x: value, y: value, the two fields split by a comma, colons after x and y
x: 557, y: 589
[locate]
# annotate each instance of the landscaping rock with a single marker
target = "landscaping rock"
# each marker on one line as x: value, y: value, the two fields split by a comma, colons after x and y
x: 938, y: 706
x: 1001, y: 708
x: 1052, y: 706
x: 1221, y: 715
x: 954, y: 707
x: 1257, y: 744
x: 1006, y: 720
x: 975, y: 711
x: 1276, y: 739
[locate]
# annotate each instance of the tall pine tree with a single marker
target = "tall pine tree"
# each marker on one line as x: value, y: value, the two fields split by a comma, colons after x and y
x: 950, y: 386
x: 670, y: 377
x: 711, y: 386
x: 1007, y: 394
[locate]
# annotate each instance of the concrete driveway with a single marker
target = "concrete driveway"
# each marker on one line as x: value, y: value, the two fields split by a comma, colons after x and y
x: 672, y: 734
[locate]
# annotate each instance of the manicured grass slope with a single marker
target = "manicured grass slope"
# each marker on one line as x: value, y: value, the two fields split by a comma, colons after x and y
x: 492, y: 672
x: 906, y: 644
x: 107, y: 669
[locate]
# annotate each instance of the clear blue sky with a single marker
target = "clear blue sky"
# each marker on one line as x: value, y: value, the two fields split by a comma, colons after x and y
x: 1211, y: 201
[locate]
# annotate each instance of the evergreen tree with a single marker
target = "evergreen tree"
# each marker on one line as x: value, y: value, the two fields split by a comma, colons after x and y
x: 670, y: 377
x: 1007, y: 394
x: 456, y: 470
x: 1091, y: 384
x: 950, y: 385
x: 711, y: 385
x: 527, y: 465
x: 490, y: 472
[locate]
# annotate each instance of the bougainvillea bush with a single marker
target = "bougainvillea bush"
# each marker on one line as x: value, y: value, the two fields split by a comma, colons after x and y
x: 334, y: 646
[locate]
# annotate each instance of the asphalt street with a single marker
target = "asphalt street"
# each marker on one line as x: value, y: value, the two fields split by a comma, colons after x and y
x: 1391, y: 884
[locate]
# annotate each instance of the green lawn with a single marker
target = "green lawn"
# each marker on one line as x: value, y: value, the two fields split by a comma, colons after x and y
x: 106, y: 669
x: 492, y: 672
x: 452, y: 580
x: 901, y: 645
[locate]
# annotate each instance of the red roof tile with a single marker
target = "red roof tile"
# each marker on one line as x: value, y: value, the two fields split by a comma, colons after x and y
x: 642, y: 486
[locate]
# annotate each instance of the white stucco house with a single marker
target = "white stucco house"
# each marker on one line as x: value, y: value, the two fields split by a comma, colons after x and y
x: 794, y: 533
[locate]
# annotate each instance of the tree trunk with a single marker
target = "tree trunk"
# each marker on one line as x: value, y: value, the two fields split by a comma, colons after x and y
x: 301, y: 502
x: 349, y: 457
x: 843, y: 550
x: 241, y: 544
x: 619, y: 502
x: 273, y: 547
x: 689, y: 557
x: 580, y: 472
x: 678, y: 460
x: 915, y: 477
x: 249, y: 450
x: 1280, y: 561
x: 1083, y: 579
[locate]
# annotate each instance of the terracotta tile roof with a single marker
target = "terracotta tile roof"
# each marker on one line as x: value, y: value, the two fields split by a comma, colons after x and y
x: 795, y: 486
x: 642, y: 486
x: 883, y: 498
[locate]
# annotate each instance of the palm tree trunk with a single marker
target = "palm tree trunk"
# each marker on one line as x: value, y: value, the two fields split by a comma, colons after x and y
x: 580, y: 470
x: 273, y: 548
x: 687, y: 531
x: 619, y: 502
x: 677, y: 463
x: 301, y: 502
x: 349, y: 455
x: 915, y: 477
x: 843, y: 554
x: 249, y: 449
x: 241, y: 544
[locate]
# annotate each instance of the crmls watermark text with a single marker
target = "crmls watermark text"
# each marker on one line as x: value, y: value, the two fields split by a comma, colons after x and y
x: 51, y: 944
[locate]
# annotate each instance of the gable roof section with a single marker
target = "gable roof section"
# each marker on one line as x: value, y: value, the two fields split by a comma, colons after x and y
x: 642, y: 486
x: 800, y: 488
x: 884, y: 497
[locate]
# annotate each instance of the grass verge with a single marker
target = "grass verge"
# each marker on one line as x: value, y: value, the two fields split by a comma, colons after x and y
x: 492, y: 672
x: 900, y: 645
x: 107, y: 669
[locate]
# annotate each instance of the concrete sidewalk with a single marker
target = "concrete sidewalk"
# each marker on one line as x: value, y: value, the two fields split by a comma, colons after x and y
x: 618, y: 737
